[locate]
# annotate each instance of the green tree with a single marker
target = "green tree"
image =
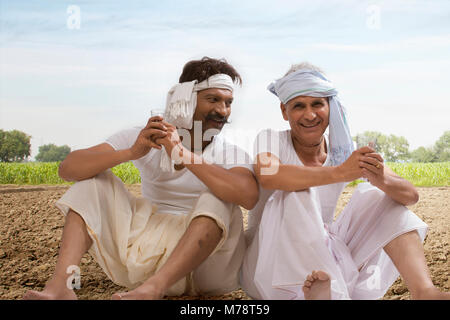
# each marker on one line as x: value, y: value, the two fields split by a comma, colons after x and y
x: 15, y: 146
x: 52, y: 153
x: 395, y: 149
x: 363, y: 139
x: 392, y: 148
x: 442, y: 148
x: 423, y: 154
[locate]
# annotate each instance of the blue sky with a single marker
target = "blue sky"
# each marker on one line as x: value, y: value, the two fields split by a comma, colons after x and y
x: 390, y: 61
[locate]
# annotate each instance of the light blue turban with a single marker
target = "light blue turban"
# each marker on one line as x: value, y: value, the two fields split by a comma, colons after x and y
x: 308, y: 82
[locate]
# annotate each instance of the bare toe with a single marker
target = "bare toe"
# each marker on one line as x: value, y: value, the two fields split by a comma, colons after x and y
x: 32, y: 295
x: 48, y: 295
x: 322, y: 275
x: 320, y: 288
x: 117, y: 296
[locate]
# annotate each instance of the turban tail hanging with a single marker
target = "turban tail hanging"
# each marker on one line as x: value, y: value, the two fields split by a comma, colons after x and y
x: 307, y: 82
x: 181, y: 103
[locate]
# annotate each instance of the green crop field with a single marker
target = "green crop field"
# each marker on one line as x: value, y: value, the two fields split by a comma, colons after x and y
x: 420, y: 174
x: 47, y: 173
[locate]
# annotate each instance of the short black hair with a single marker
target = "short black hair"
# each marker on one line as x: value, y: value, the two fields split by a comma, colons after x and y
x: 201, y: 70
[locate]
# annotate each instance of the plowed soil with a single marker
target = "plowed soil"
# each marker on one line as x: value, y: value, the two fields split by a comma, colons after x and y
x: 31, y: 228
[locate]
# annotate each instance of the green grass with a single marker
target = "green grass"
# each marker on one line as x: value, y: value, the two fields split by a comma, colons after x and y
x: 420, y: 174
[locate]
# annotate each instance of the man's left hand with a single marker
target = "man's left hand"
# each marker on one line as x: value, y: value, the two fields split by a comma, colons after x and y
x: 172, y: 143
x: 372, y: 165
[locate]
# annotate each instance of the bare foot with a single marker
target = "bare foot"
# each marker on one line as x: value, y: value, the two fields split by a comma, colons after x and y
x: 146, y: 291
x: 52, y: 291
x: 432, y: 293
x: 317, y: 286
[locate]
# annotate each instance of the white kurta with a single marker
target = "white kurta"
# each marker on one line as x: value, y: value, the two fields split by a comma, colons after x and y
x: 293, y: 233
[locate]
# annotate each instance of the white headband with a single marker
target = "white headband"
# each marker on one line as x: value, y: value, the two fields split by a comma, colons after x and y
x: 306, y: 82
x: 182, y: 101
x: 182, y: 98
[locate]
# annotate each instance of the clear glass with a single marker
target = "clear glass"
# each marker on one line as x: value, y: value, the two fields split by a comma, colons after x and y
x: 157, y: 112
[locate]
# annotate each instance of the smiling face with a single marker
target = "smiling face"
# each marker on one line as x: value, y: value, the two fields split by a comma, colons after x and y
x: 308, y: 118
x: 213, y: 108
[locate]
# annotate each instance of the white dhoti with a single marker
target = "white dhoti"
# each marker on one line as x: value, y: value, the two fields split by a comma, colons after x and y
x: 292, y: 241
x: 132, y: 241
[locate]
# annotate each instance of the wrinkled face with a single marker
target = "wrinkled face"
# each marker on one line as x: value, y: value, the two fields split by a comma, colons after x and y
x: 213, y: 108
x: 308, y: 118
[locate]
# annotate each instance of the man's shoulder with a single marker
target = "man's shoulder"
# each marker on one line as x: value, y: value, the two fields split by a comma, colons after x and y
x: 124, y: 138
x: 272, y: 136
x: 127, y: 131
x: 222, y: 143
x: 131, y: 130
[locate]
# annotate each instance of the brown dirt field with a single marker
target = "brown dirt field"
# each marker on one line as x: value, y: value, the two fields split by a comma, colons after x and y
x: 31, y: 228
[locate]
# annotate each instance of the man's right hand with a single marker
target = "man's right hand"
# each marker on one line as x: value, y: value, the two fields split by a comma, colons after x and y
x: 351, y: 169
x: 154, y: 129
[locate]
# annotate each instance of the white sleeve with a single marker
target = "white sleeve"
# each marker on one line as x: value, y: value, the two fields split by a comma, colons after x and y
x: 123, y: 139
x: 228, y: 155
x: 237, y: 157
x: 267, y: 140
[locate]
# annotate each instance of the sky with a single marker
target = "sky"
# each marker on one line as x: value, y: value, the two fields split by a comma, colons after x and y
x: 75, y: 72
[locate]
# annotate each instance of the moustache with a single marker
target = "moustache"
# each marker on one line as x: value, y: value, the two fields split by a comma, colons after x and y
x: 217, y: 118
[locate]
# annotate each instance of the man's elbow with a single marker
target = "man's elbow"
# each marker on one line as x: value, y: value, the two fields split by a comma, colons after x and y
x: 409, y: 199
x: 250, y: 200
x: 267, y: 182
x: 249, y: 204
x: 414, y: 198
x: 63, y: 172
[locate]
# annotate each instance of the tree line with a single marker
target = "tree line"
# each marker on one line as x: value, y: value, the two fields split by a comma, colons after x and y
x: 396, y: 149
x: 15, y: 146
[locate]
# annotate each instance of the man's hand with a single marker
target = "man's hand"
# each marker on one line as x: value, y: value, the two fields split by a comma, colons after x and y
x: 154, y: 129
x: 351, y: 169
x: 372, y: 165
x: 172, y: 143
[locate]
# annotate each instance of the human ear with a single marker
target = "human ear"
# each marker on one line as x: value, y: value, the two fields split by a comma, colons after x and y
x: 283, y: 111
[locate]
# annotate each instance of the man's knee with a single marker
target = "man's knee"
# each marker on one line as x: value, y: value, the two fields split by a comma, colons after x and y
x: 74, y: 217
x: 208, y: 226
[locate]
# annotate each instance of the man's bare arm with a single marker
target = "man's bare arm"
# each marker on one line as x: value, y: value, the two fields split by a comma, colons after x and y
x: 274, y: 175
x: 381, y: 176
x: 87, y: 163
x: 236, y: 185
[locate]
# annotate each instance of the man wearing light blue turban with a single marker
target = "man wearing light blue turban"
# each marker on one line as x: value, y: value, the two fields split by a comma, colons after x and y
x: 296, y: 250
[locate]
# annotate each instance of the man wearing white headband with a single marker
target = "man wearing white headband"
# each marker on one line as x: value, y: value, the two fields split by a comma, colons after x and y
x: 185, y: 235
x: 295, y: 248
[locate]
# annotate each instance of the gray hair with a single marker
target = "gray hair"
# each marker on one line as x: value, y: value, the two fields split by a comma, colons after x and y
x: 303, y: 65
